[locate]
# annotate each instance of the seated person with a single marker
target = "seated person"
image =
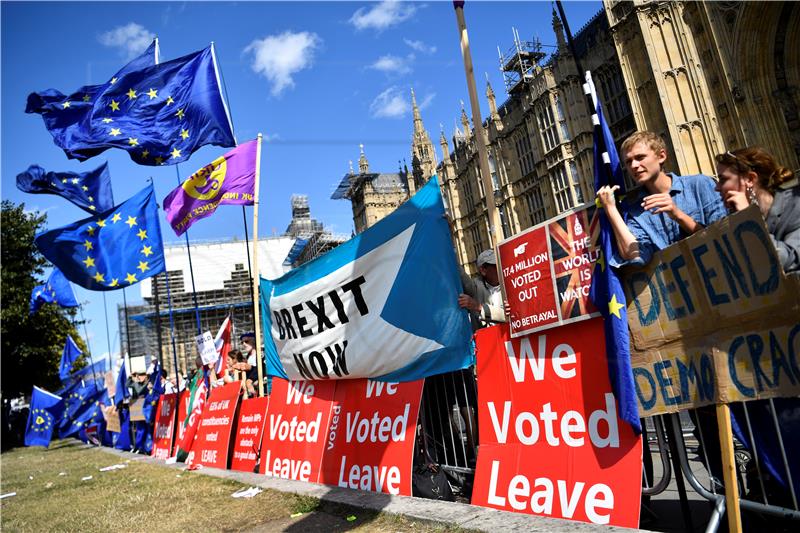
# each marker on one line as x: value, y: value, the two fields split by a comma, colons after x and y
x: 751, y: 176
x: 663, y: 208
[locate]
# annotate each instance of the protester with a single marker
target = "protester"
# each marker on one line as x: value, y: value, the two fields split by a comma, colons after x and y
x: 233, y: 374
x: 482, y: 295
x: 250, y: 365
x: 663, y: 208
x: 751, y: 176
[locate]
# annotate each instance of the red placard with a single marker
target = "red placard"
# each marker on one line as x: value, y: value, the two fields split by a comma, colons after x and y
x: 297, y: 423
x: 547, y: 272
x: 250, y: 427
x: 370, y: 443
x: 183, y: 411
x: 551, y: 440
x: 165, y: 423
x: 213, y: 438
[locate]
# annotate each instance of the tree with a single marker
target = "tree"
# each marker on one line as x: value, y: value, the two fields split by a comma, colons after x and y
x: 31, y: 345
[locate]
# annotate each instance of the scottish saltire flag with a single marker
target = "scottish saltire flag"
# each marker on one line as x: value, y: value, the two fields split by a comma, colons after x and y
x: 111, y: 250
x: 45, y: 411
x: 606, y: 291
x: 159, y: 114
x: 91, y: 191
x: 69, y: 355
x: 384, y: 305
x: 56, y: 290
x: 229, y: 179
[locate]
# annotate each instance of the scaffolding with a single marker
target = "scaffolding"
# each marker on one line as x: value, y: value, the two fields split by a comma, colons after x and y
x: 520, y: 63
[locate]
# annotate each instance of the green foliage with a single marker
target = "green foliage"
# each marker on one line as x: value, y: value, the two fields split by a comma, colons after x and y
x: 31, y: 346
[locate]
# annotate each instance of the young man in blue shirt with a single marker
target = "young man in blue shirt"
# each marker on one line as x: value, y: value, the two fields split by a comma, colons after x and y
x: 663, y: 209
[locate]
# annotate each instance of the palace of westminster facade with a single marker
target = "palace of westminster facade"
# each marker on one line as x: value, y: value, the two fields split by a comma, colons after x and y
x: 708, y: 76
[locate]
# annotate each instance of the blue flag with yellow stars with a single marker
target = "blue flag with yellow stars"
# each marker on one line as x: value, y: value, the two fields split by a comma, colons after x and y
x: 87, y: 413
x: 45, y: 410
x: 91, y: 191
x: 56, y: 290
x: 75, y: 397
x: 159, y: 114
x: 68, y: 357
x: 606, y: 291
x: 111, y: 250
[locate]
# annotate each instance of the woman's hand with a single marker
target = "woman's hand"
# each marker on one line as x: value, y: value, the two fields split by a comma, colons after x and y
x: 736, y: 200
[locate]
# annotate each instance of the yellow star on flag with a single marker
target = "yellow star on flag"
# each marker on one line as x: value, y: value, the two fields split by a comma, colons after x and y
x: 91, y: 207
x: 89, y: 262
x: 113, y: 80
x: 107, y: 120
x: 75, y: 181
x: 85, y: 188
x: 86, y: 98
x: 142, y: 234
x: 131, y: 278
x: 159, y: 160
x: 145, y: 153
x: 101, y: 223
x: 614, y: 306
x: 180, y: 114
x: 64, y: 180
x: 88, y: 245
x: 184, y: 133
x: 114, y: 282
x: 176, y: 153
x: 65, y: 105
x: 143, y: 266
x: 116, y: 218
x: 115, y: 132
x: 132, y: 141
x: 152, y: 93
x: 147, y: 251
x: 131, y: 94
x: 131, y: 222
x: 601, y: 260
x: 170, y: 100
x: 90, y: 230
x: 91, y: 199
x: 99, y: 278
x: 114, y: 105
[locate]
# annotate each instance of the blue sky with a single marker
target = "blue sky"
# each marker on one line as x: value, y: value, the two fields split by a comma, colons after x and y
x: 316, y: 78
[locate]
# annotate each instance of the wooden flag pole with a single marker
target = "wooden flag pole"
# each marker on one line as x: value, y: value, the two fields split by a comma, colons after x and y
x: 256, y: 276
x: 729, y: 468
x: 495, y: 227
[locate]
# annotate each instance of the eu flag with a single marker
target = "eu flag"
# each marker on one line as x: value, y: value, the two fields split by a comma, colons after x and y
x: 75, y: 398
x: 121, y: 393
x: 56, y: 290
x: 45, y: 409
x: 159, y: 114
x: 606, y: 291
x: 112, y: 249
x: 87, y: 413
x: 91, y: 191
x: 68, y: 357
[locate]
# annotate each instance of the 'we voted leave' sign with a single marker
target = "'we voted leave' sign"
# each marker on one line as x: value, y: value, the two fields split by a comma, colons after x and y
x: 384, y: 305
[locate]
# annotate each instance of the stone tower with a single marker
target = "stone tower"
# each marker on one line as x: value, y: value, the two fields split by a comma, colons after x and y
x: 423, y: 156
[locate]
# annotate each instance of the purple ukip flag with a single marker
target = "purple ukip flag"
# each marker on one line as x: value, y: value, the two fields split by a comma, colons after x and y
x: 229, y: 179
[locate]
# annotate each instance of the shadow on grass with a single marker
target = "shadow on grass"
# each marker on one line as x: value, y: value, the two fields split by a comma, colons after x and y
x: 335, y: 517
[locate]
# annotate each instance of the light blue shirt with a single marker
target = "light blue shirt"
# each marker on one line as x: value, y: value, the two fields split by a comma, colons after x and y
x: 694, y: 195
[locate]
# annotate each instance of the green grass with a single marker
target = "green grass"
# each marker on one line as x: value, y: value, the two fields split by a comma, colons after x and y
x: 145, y: 497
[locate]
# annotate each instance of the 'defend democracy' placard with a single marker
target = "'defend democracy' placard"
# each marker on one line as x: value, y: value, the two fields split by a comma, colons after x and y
x: 713, y: 319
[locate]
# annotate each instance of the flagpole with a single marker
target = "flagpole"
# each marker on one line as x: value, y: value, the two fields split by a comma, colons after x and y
x: 88, y: 344
x: 257, y: 277
x: 247, y: 246
x: 127, y: 325
x: 108, y: 333
x: 191, y: 268
x: 158, y: 321
x: 495, y: 226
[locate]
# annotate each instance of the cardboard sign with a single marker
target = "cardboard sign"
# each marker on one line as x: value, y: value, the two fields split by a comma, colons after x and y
x: 249, y: 429
x: 297, y: 424
x: 112, y: 418
x: 110, y: 383
x: 213, y: 437
x: 547, y: 272
x: 165, y: 423
x: 206, y: 348
x: 137, y: 410
x: 370, y: 442
x: 551, y: 441
x: 713, y: 319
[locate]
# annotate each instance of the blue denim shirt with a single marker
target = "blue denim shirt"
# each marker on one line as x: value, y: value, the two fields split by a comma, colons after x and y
x: 694, y: 195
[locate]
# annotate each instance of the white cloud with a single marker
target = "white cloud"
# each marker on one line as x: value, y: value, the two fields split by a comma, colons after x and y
x: 390, y: 104
x: 279, y: 57
x: 390, y: 64
x: 269, y: 137
x: 382, y: 15
x: 427, y: 100
x: 419, y: 46
x: 131, y: 39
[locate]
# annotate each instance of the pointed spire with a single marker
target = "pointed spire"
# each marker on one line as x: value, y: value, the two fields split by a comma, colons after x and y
x: 465, y: 121
x: 491, y: 98
x: 443, y: 144
x: 363, y: 164
x: 558, y: 29
x: 418, y: 127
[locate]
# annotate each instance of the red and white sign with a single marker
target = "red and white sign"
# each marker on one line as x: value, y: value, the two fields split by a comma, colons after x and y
x: 213, y: 437
x: 297, y: 424
x: 183, y: 411
x: 250, y: 427
x: 165, y: 423
x: 547, y: 272
x: 552, y: 443
x: 370, y: 442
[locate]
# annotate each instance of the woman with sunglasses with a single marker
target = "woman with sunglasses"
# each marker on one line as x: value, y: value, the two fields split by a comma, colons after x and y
x: 751, y: 176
